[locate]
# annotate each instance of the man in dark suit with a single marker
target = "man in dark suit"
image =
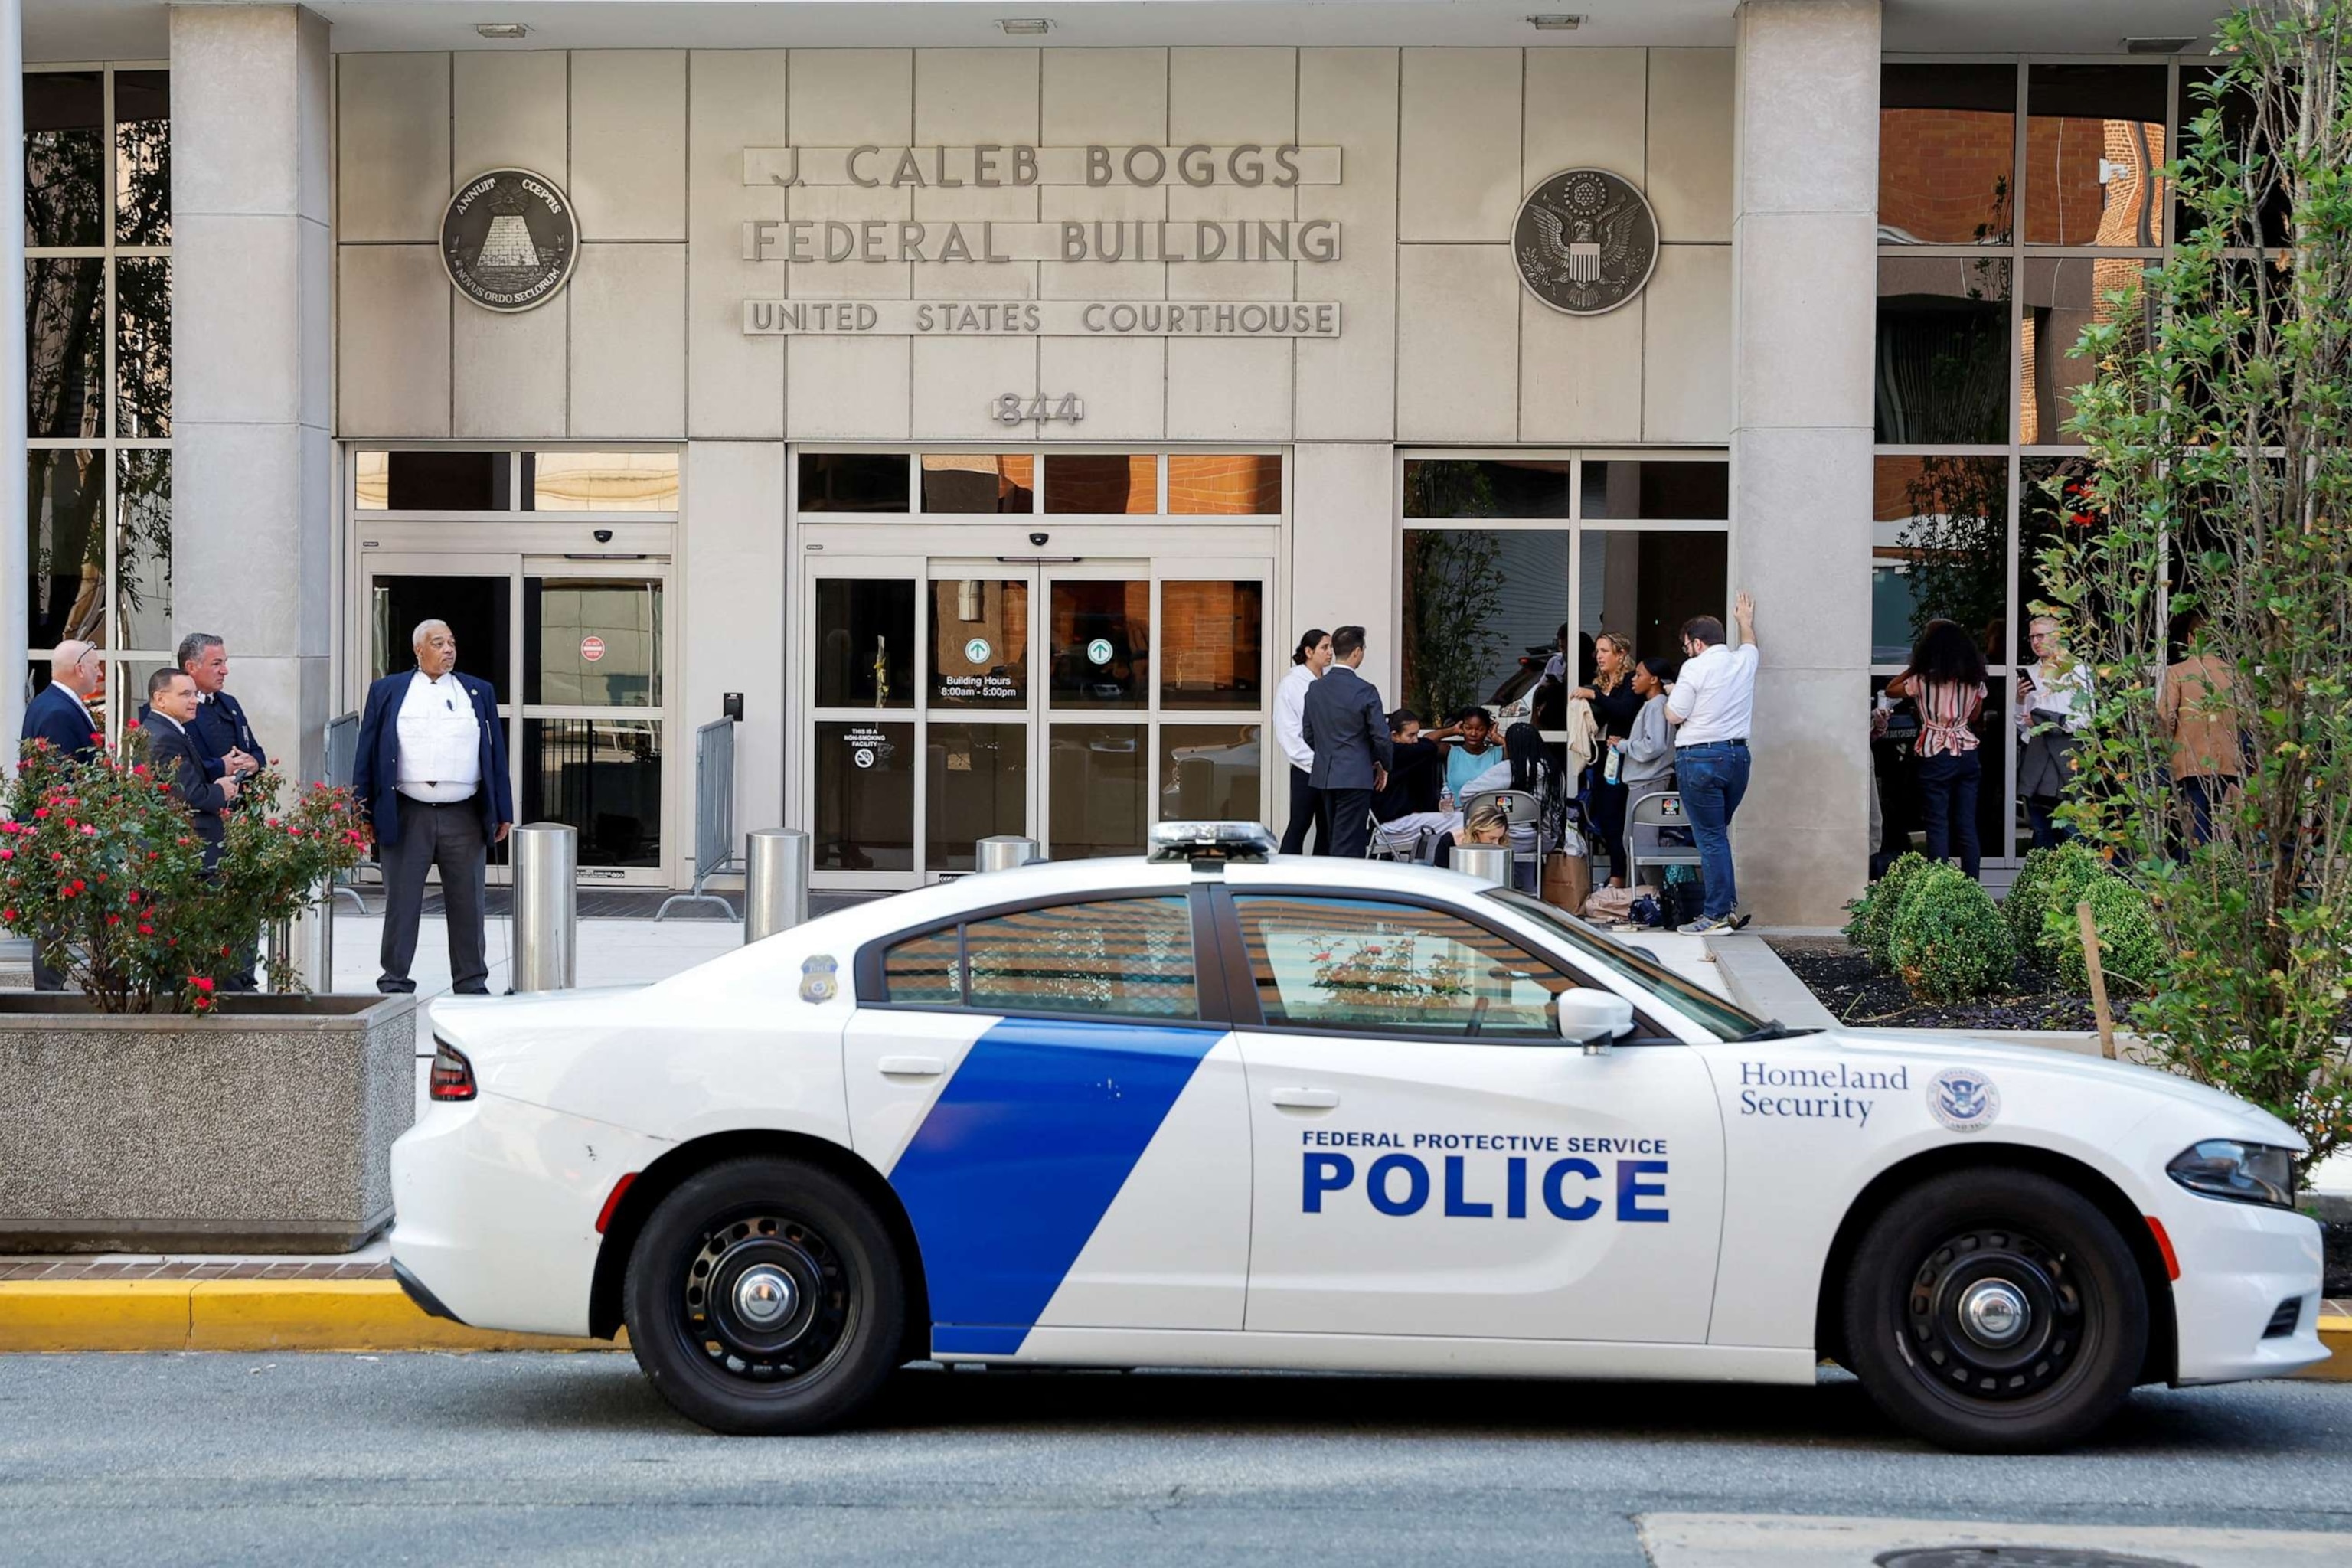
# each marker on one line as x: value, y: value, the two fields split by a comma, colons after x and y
x: 1344, y: 723
x: 174, y: 755
x: 222, y: 734
x: 61, y: 716
x: 431, y: 774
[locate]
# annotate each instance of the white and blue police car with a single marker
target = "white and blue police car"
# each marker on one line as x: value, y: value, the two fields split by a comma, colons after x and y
x: 1220, y: 1108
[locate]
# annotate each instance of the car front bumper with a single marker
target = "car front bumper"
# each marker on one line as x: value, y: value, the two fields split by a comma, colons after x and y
x: 2238, y: 1263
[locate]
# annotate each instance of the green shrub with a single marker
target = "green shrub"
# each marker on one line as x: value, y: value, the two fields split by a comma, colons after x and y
x: 2130, y: 951
x: 2029, y: 896
x: 2073, y: 874
x: 1873, y: 915
x: 1948, y: 940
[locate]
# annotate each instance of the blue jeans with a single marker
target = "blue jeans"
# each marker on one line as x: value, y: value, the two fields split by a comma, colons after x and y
x: 1948, y: 799
x: 1713, y: 777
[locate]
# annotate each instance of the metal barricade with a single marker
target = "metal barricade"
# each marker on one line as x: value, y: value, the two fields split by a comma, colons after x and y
x: 714, y: 816
x: 343, y: 762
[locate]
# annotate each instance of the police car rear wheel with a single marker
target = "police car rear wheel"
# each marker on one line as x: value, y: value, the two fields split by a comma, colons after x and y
x: 764, y: 1297
x: 1995, y: 1311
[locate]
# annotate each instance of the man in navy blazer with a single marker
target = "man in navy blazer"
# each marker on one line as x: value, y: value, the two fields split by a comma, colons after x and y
x: 177, y: 756
x: 225, y: 739
x: 432, y: 776
x: 61, y: 714
x: 1348, y: 729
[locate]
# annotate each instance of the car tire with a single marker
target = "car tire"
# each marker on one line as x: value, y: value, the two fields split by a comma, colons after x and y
x: 764, y: 1297
x: 1995, y: 1311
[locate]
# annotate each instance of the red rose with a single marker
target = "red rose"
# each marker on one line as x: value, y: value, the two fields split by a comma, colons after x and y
x: 40, y: 811
x: 8, y: 914
x: 130, y: 723
x: 146, y: 930
x: 201, y: 983
x: 115, y: 919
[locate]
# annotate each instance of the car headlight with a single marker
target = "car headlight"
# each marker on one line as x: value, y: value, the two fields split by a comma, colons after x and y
x: 2242, y: 1173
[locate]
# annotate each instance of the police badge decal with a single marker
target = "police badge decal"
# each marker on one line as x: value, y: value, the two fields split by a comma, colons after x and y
x: 1586, y: 242
x: 510, y: 239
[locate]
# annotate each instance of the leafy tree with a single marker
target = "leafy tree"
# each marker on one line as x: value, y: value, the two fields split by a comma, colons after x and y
x: 1453, y: 592
x: 2217, y: 518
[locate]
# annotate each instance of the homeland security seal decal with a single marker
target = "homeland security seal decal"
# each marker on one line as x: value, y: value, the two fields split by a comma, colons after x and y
x: 510, y: 239
x: 1963, y: 1101
x: 1586, y: 242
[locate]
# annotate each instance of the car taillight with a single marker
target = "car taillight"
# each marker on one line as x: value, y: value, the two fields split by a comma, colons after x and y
x: 453, y: 1075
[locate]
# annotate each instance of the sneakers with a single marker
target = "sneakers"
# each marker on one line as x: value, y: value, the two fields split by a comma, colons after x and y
x: 1717, y: 925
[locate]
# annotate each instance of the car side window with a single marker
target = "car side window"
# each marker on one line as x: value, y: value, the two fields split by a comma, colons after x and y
x: 1400, y: 969
x: 1123, y: 958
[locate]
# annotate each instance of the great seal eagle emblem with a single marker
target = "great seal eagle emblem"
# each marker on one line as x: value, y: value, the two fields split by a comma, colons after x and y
x: 1586, y: 242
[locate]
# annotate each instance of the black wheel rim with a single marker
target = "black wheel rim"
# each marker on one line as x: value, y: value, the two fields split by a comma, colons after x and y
x: 1994, y: 1316
x: 765, y: 1301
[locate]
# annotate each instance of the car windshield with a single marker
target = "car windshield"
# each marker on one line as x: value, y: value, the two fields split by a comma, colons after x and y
x: 1702, y: 1006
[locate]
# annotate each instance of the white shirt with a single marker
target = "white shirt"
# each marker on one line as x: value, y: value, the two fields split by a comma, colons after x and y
x: 1289, y: 714
x: 2053, y: 691
x: 440, y: 740
x: 69, y: 691
x: 1715, y: 696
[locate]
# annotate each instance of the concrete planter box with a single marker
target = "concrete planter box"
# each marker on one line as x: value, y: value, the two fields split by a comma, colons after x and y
x: 266, y: 1127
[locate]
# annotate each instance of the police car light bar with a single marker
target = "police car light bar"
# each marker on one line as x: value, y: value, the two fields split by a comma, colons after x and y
x: 1211, y: 841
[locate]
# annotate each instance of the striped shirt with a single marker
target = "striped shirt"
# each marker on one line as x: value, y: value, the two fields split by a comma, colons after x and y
x: 1946, y: 708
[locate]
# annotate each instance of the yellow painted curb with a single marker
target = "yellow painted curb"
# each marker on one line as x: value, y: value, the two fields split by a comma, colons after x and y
x: 240, y: 1315
x: 2335, y: 1333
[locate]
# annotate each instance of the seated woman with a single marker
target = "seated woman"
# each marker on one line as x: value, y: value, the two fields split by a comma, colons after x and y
x: 1407, y: 806
x: 1525, y: 766
x: 1469, y: 735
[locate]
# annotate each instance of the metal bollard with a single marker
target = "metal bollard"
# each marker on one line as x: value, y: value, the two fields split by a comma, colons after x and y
x: 306, y: 942
x: 775, y: 881
x: 1004, y: 851
x: 1487, y: 862
x: 546, y: 907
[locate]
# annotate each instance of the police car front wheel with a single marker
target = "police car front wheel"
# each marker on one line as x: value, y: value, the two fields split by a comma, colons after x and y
x: 1995, y: 1311
x: 764, y: 1297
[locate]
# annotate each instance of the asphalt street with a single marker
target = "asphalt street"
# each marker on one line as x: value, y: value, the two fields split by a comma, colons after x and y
x: 163, y: 1460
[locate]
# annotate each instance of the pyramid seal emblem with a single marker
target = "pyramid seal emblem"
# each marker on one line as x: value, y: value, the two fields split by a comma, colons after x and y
x: 510, y: 239
x: 1585, y: 241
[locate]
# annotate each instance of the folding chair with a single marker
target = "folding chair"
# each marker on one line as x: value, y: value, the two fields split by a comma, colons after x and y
x: 1646, y: 819
x: 1383, y: 845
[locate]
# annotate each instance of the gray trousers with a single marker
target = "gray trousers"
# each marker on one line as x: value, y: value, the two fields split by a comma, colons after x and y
x: 449, y: 837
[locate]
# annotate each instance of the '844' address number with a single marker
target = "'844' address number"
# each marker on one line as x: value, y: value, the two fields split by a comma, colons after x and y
x: 1012, y: 408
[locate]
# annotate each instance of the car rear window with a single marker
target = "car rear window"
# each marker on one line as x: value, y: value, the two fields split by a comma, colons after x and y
x: 1127, y: 958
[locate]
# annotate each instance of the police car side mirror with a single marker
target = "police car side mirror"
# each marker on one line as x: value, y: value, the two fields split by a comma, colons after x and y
x: 1593, y: 1018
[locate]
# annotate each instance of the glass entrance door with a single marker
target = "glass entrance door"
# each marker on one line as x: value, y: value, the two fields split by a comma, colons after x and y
x: 576, y: 652
x: 1074, y: 702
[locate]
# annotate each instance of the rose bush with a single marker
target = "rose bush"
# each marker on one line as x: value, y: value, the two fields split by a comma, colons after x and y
x: 100, y: 863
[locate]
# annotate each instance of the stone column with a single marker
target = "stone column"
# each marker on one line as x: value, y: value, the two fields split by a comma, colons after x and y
x: 1803, y: 236
x: 252, y: 465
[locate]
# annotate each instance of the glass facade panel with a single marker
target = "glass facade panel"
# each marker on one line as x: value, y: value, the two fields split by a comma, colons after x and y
x: 2064, y: 295
x: 142, y: 546
x: 1210, y: 772
x: 65, y: 157
x: 853, y: 481
x: 65, y: 347
x: 1097, y: 779
x: 1210, y: 655
x: 980, y: 642
x: 143, y: 347
x: 603, y: 777
x: 600, y: 482
x: 2275, y: 221
x: 1101, y: 648
x: 65, y: 514
x: 434, y: 481
x: 1485, y: 487
x: 1128, y: 958
x: 479, y: 609
x: 1484, y: 610
x: 1942, y: 350
x: 976, y: 782
x: 865, y: 642
x: 1939, y: 549
x: 968, y: 482
x: 1216, y: 484
x: 142, y: 158
x: 1679, y: 491
x: 865, y: 796
x: 1946, y: 139
x: 2095, y: 139
x: 1643, y: 585
x: 1082, y: 484
x: 592, y: 642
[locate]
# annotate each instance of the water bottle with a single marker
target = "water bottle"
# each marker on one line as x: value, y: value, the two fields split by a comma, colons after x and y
x: 1445, y: 798
x: 1609, y: 769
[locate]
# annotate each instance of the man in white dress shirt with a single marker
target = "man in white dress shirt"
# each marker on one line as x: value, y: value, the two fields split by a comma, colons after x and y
x: 1710, y: 708
x: 1312, y: 657
x: 432, y: 774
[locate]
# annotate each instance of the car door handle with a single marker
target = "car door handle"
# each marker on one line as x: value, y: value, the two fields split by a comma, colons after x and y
x: 1307, y: 1099
x: 911, y: 1067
